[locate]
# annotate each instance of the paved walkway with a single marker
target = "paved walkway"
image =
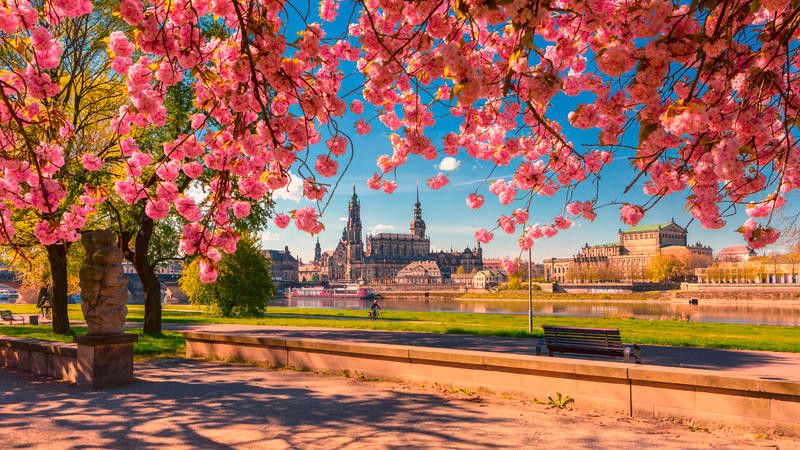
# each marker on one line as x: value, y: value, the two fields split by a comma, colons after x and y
x: 769, y: 365
x: 195, y: 404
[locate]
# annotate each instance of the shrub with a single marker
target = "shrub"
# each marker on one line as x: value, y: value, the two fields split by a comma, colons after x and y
x: 243, y: 287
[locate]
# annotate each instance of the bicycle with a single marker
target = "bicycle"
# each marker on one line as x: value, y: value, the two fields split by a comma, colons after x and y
x: 375, y: 314
x: 44, y: 311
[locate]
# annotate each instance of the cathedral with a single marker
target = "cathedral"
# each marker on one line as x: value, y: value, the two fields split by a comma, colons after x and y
x: 380, y: 257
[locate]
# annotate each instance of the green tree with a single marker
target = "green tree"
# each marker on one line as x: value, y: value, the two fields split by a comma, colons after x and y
x: 666, y: 268
x: 243, y: 288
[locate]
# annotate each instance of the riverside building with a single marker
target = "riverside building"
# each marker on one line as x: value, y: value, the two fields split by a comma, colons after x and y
x: 629, y: 258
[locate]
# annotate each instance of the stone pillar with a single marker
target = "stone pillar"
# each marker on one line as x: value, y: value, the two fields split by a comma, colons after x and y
x: 105, y: 353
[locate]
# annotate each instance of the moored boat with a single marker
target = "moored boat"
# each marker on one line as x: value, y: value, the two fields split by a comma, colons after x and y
x: 332, y: 293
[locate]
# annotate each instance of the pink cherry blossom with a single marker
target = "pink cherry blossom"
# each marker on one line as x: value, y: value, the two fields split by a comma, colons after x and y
x: 156, y: 209
x: 483, y: 236
x: 374, y: 182
x: 474, y: 201
x: 282, y: 220
x: 306, y: 220
x: 631, y: 214
x: 207, y: 271
x: 362, y: 127
x: 91, y: 162
x: 325, y: 166
x: 438, y: 181
x: 241, y: 209
x: 509, y: 266
x: 389, y: 186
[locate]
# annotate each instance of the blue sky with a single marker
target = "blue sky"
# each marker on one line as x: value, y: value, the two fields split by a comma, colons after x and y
x: 450, y: 223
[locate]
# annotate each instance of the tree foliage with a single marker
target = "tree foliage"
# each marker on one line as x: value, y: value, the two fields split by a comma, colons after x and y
x: 668, y: 268
x: 700, y: 97
x: 243, y: 288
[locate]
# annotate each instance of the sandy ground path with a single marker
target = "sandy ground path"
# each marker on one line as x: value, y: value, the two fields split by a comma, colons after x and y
x: 186, y: 403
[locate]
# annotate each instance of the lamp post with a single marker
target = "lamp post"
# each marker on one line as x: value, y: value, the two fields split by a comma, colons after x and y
x: 530, y: 292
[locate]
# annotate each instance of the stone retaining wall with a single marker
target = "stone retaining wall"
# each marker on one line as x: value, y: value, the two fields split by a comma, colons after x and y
x: 48, y: 358
x: 738, y: 292
x: 645, y: 391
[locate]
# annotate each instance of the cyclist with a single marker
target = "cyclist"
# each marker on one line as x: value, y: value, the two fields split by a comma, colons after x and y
x: 43, y: 302
x: 375, y: 308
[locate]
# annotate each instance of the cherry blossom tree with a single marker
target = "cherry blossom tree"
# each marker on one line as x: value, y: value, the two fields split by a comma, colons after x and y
x: 710, y: 88
x: 56, y: 92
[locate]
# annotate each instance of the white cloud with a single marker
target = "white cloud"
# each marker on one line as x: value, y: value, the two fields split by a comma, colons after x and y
x: 196, y: 192
x: 448, y: 163
x: 381, y: 227
x: 293, y: 192
x: 270, y: 236
x: 343, y: 219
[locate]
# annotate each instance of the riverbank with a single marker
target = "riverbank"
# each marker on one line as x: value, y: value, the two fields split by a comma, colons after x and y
x: 743, y: 296
x: 640, y: 331
x: 664, y: 300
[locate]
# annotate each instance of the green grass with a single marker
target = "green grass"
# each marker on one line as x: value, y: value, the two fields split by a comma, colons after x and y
x: 170, y: 344
x: 655, y: 332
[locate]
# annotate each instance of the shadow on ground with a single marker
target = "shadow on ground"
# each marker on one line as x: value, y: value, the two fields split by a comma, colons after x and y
x: 194, y: 403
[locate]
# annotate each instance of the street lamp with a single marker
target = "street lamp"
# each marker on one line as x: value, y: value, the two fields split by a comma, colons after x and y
x: 530, y: 292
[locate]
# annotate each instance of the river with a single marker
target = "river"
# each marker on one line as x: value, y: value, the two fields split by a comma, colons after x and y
x: 757, y: 313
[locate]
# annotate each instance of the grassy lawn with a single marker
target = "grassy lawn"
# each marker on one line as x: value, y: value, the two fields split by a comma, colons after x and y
x: 170, y: 344
x: 657, y: 332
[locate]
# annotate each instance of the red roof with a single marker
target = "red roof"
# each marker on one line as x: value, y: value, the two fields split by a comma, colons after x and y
x: 736, y: 250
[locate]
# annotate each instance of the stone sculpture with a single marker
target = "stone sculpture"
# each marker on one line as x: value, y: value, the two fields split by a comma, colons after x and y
x: 103, y: 284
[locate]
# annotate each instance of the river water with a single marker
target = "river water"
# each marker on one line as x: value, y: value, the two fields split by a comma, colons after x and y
x: 743, y: 313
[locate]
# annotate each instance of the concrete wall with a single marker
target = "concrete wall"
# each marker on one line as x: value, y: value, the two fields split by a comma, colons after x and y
x: 645, y: 391
x: 48, y: 358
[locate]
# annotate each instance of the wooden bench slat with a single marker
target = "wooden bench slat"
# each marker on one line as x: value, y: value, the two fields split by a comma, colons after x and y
x: 593, y: 341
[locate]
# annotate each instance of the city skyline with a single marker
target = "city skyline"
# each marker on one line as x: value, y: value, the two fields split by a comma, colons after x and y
x: 393, y: 213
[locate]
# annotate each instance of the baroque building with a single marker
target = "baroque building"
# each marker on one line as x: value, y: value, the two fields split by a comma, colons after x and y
x: 630, y: 257
x: 380, y: 257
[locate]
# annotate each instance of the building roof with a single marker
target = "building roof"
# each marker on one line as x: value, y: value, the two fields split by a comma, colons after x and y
x: 427, y: 266
x: 610, y: 244
x: 650, y: 227
x: 737, y: 250
x: 396, y: 237
x: 279, y: 255
x: 489, y: 273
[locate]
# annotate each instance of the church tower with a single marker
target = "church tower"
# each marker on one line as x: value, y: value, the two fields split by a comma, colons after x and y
x: 317, y: 251
x: 354, y: 219
x: 417, y: 225
x: 355, y: 249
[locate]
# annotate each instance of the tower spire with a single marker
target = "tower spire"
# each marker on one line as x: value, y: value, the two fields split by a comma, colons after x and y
x: 417, y: 224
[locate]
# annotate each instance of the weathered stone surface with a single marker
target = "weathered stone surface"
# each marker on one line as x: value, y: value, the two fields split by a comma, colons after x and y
x: 105, y: 360
x: 103, y: 293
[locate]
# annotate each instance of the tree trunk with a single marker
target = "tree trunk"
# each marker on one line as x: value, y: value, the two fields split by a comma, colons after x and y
x: 147, y: 275
x: 57, y: 257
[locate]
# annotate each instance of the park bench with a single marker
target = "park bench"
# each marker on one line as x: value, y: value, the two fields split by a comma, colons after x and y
x: 588, y: 341
x: 8, y: 317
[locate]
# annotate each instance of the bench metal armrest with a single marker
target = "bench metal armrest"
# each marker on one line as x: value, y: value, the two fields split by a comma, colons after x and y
x: 539, y: 347
x: 636, y: 351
